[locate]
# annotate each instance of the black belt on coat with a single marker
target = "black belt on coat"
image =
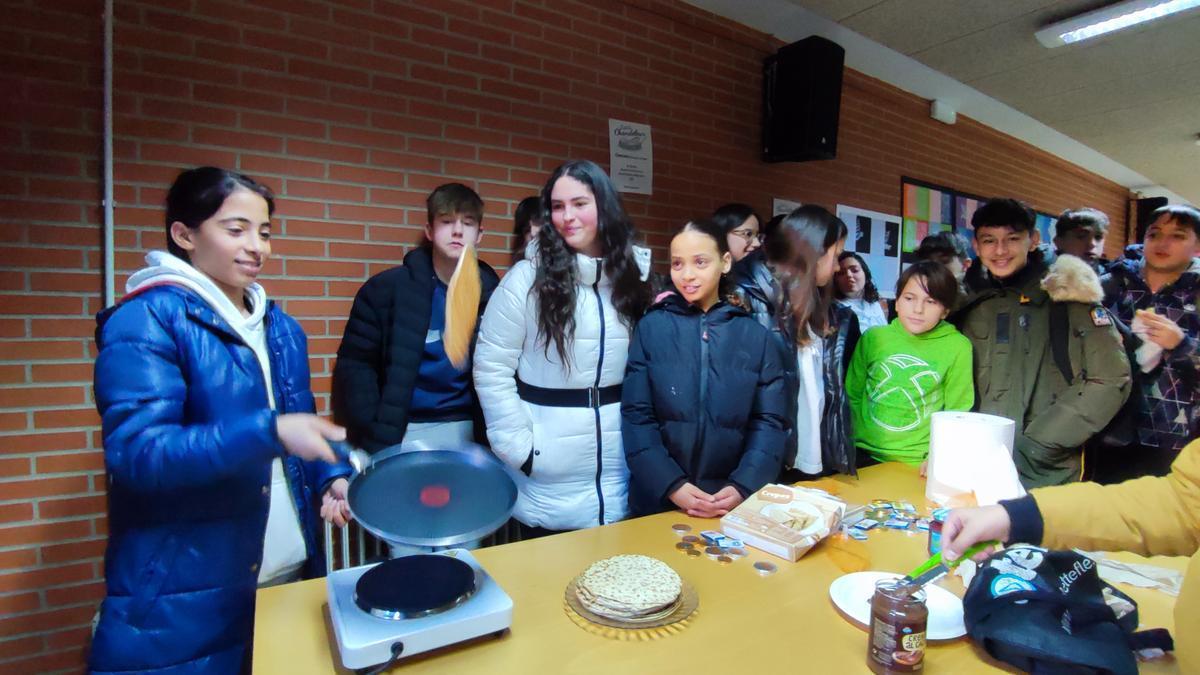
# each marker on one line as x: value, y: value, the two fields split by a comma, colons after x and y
x: 592, y: 397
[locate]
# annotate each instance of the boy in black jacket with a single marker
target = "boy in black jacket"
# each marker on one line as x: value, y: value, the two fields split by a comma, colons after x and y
x: 393, y: 380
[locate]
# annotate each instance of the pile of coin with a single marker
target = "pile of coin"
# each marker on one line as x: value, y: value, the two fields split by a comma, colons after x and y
x: 716, y: 546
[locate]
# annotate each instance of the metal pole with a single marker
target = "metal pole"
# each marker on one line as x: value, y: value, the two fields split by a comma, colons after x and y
x: 109, y: 258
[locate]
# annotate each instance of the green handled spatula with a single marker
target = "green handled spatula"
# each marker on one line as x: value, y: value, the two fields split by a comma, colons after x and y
x: 935, y: 568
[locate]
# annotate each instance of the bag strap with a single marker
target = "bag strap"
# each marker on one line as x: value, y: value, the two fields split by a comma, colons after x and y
x: 1060, y: 335
x: 1154, y: 638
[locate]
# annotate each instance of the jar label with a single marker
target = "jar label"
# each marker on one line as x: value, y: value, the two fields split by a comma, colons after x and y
x: 913, y: 643
x: 899, y: 647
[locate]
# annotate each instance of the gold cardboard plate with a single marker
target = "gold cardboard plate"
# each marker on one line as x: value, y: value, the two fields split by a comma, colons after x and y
x: 641, y: 630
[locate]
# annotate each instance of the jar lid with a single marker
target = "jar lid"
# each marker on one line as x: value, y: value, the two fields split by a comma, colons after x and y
x: 900, y: 590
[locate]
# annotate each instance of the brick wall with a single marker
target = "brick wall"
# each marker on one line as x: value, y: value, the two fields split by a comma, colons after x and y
x: 352, y: 110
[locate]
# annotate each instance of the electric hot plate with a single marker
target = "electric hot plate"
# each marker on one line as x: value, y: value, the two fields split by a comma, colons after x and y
x: 414, y: 586
x: 421, y: 496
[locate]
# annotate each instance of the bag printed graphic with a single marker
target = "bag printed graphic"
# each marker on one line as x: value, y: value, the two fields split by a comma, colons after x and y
x: 1049, y: 611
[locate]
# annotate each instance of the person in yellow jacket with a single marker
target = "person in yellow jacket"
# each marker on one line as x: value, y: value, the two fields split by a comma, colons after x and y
x: 1147, y: 516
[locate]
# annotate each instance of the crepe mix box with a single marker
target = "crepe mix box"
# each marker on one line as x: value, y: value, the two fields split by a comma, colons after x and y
x: 785, y: 520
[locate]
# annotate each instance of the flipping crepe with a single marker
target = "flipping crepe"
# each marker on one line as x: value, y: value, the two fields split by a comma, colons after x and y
x: 462, y: 308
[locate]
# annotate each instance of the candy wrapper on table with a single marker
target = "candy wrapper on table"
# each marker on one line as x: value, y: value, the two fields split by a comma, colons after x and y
x: 785, y: 520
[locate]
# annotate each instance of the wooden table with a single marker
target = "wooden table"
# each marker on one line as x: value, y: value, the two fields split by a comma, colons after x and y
x: 745, y: 622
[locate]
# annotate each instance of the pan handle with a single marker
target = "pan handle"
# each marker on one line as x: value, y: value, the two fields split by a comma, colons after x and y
x: 358, y: 459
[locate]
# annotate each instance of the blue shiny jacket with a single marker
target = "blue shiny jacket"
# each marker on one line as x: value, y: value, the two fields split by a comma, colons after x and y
x: 189, y: 438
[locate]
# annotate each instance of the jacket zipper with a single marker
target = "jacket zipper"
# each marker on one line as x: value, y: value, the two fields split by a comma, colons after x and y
x: 596, y: 402
x: 275, y: 383
x: 700, y: 406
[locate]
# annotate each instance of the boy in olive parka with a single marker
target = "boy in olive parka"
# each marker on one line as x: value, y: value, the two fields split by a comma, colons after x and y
x: 1007, y: 316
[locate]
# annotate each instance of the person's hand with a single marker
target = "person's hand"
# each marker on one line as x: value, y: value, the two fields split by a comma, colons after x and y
x: 967, y: 527
x: 335, y: 508
x: 694, y: 501
x: 727, y: 499
x: 1162, y: 331
x: 924, y: 470
x: 306, y: 436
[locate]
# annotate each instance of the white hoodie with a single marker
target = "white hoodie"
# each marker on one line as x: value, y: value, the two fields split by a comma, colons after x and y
x: 284, y: 551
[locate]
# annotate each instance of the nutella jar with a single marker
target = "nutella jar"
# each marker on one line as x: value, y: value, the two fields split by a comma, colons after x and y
x: 896, y: 638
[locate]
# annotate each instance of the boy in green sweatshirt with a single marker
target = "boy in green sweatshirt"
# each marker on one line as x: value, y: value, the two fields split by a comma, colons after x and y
x: 904, y: 372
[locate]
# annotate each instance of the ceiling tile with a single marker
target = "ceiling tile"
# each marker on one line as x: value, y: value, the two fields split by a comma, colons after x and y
x: 1133, y: 95
x: 928, y: 23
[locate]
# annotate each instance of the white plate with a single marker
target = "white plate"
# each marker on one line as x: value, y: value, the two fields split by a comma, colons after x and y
x: 852, y: 594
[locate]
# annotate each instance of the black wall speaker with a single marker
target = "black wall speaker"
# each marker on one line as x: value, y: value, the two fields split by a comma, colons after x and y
x: 1145, y: 214
x: 802, y: 96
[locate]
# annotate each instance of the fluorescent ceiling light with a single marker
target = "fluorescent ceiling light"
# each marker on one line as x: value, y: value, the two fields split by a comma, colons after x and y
x: 1108, y: 19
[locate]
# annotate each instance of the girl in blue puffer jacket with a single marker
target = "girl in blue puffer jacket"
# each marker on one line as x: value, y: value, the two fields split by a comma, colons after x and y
x: 703, y: 406
x: 209, y: 439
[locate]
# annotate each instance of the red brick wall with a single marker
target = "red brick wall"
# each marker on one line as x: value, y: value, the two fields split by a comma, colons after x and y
x: 353, y: 110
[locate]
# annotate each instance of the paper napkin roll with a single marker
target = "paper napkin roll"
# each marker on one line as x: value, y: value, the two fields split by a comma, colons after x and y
x: 964, y: 447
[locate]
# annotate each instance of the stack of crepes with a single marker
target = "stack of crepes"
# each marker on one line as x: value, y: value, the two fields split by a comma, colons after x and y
x: 629, y: 588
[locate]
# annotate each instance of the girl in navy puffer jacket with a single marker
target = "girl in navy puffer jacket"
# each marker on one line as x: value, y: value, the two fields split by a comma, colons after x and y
x: 703, y: 406
x: 202, y: 386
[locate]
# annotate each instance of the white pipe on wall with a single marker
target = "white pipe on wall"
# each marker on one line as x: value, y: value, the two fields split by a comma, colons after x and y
x: 109, y: 225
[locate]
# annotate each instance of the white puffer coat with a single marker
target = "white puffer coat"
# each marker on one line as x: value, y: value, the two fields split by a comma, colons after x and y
x: 578, y: 476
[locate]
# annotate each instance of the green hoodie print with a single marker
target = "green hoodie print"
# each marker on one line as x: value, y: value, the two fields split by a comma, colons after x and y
x: 897, y: 380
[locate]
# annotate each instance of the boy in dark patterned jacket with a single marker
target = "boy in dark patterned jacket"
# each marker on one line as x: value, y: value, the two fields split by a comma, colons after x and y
x: 1157, y: 298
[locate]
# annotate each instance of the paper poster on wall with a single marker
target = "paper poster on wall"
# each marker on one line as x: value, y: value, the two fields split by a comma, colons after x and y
x: 1045, y: 226
x: 782, y: 207
x: 876, y: 237
x: 965, y: 208
x: 631, y: 157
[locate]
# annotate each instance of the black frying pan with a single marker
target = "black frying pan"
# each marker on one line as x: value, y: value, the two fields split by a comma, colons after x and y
x: 422, y: 495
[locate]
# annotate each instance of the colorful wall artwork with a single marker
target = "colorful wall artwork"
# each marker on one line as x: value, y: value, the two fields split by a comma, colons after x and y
x: 929, y: 208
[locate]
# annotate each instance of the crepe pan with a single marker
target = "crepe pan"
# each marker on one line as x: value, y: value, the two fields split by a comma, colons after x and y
x: 425, y: 495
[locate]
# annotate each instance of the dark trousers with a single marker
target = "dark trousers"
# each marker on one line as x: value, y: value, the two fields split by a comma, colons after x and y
x: 790, y: 476
x: 865, y: 459
x: 1106, y: 464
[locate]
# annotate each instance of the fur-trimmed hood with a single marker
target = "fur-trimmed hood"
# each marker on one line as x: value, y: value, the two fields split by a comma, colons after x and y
x: 1072, y: 280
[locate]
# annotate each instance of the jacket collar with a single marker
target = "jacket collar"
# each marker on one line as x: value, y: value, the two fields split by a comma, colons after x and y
x: 590, y: 269
x: 752, y: 274
x: 420, y: 262
x: 721, y: 312
x: 201, y: 312
x: 1027, y: 280
x: 1131, y: 271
